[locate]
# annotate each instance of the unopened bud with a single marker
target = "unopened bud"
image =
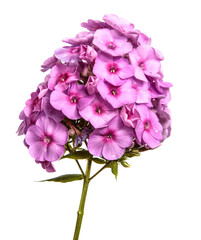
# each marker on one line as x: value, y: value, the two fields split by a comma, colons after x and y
x: 71, y: 132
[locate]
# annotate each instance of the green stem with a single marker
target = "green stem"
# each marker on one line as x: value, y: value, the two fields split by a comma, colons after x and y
x: 80, y: 212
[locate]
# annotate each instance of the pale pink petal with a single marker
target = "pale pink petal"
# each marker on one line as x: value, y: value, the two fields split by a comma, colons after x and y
x: 139, y: 129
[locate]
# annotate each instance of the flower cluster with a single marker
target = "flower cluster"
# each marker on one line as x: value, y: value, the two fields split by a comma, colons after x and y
x: 105, y: 88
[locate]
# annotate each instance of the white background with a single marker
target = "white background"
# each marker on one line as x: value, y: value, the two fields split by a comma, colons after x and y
x: 159, y: 197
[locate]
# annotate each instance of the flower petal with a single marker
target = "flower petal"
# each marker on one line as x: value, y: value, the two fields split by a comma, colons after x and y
x: 150, y: 140
x: 54, y: 152
x: 34, y: 134
x: 112, y: 151
x: 37, y: 150
x: 96, y: 143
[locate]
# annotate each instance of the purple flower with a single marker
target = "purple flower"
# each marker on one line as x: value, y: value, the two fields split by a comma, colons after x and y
x: 68, y: 54
x: 81, y: 38
x: 112, y: 42
x: 112, y: 69
x: 67, y: 102
x: 48, y: 166
x: 111, y: 141
x: 129, y: 115
x: 117, y: 96
x: 87, y: 53
x: 98, y: 112
x: 50, y: 111
x: 49, y: 63
x: 146, y: 62
x: 60, y: 77
x: 34, y: 103
x: 93, y: 25
x: 46, y: 139
x: 120, y: 24
x: 148, y: 129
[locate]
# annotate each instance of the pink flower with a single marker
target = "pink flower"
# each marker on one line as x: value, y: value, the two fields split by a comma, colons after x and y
x: 129, y: 115
x: 112, y: 42
x: 46, y: 139
x: 60, y: 77
x: 148, y: 129
x: 111, y: 141
x: 98, y: 112
x: 113, y: 69
x: 117, y: 96
x: 68, y: 102
x: 120, y: 24
x: 146, y: 62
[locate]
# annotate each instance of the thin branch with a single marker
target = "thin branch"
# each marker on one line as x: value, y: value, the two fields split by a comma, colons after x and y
x: 99, y: 171
x: 80, y: 168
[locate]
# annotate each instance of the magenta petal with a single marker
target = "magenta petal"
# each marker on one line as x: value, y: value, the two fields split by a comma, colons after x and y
x: 139, y: 130
x: 150, y: 140
x: 47, y: 125
x: 124, y: 137
x: 71, y: 111
x: 152, y: 67
x: 96, y: 143
x: 54, y: 152
x: 126, y: 72
x: 112, y: 151
x: 60, y: 135
x: 37, y: 150
x: 139, y: 74
x: 34, y: 134
x: 58, y: 99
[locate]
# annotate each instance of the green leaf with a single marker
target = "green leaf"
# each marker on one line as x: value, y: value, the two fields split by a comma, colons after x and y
x: 114, y: 168
x: 78, y: 155
x: 65, y: 178
x: 125, y: 164
x: 98, y: 160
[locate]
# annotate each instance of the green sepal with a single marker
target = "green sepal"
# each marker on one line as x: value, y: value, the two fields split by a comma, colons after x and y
x: 132, y: 153
x: 78, y: 155
x: 114, y: 168
x: 98, y: 160
x: 65, y: 178
x: 125, y: 164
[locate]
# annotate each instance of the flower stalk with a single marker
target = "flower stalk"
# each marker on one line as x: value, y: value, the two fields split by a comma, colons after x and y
x: 80, y: 212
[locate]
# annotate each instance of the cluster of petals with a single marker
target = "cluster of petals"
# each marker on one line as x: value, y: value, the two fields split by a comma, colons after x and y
x: 110, y: 77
